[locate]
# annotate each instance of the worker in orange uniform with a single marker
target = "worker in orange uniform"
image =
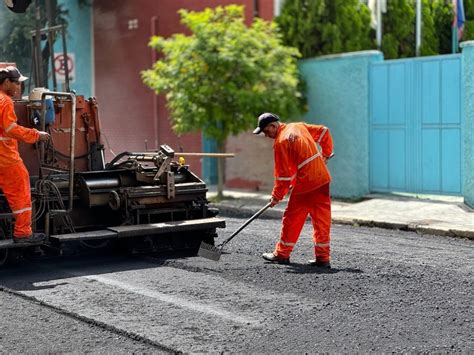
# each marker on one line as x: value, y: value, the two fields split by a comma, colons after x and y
x: 14, y: 178
x: 301, y: 151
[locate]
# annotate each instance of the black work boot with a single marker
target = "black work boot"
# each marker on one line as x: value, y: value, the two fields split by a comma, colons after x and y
x: 320, y: 264
x: 275, y: 259
x: 32, y: 239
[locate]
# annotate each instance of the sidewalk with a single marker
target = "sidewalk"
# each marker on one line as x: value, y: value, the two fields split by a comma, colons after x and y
x: 438, y: 215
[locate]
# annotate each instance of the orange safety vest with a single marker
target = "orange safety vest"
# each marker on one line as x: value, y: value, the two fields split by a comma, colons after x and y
x: 11, y: 132
x: 299, y: 149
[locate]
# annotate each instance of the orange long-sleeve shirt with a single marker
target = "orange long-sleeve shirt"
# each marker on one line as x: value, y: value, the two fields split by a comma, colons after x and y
x: 11, y: 133
x: 299, y: 149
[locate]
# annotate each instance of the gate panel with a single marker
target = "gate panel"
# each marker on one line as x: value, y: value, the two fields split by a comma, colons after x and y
x: 415, y: 125
x: 451, y: 160
x: 379, y: 159
x: 396, y: 94
x: 388, y: 135
x: 430, y: 162
x: 397, y: 151
x: 430, y: 93
x: 451, y: 92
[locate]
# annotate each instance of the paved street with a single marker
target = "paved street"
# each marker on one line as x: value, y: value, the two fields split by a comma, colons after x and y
x: 388, y: 291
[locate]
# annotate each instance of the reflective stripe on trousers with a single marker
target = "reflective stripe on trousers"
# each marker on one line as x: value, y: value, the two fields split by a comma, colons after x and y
x: 317, y: 204
x: 15, y: 184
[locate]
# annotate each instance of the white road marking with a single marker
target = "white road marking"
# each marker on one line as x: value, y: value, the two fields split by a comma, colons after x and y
x: 177, y: 308
x: 178, y: 301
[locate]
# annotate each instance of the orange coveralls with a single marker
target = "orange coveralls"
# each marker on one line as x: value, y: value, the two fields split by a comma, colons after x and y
x: 14, y: 178
x: 299, y: 149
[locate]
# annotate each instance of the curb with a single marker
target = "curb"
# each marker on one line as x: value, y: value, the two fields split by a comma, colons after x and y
x: 419, y: 229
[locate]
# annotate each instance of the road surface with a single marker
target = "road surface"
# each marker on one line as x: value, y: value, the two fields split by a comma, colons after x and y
x: 388, y: 291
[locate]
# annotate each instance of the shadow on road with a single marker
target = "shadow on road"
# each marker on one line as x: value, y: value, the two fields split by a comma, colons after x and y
x: 295, y: 268
x: 49, y: 273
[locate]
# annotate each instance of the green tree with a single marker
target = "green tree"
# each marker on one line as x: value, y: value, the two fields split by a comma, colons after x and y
x: 15, y: 33
x: 298, y: 23
x: 219, y: 78
x: 469, y: 24
x: 345, y: 27
x: 429, y: 36
x: 318, y: 27
x: 442, y: 11
x: 398, y: 25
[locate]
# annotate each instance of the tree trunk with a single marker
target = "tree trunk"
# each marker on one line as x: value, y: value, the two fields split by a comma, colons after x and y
x: 220, y: 170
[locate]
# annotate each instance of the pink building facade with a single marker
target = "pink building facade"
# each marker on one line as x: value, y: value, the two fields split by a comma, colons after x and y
x: 133, y: 117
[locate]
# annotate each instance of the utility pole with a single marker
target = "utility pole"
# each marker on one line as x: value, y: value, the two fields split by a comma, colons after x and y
x: 418, y: 27
x: 379, y: 24
x: 37, y: 47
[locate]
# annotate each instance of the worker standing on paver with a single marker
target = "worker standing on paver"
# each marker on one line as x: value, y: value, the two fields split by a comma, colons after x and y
x: 301, y: 151
x: 14, y: 178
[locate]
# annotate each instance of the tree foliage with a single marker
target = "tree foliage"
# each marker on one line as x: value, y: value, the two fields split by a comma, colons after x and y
x: 429, y: 37
x: 15, y: 31
x: 318, y: 27
x: 219, y: 78
x: 442, y: 13
x: 469, y: 24
x: 16, y: 28
x: 398, y: 30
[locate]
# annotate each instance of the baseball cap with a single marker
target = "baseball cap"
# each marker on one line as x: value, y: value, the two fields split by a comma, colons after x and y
x: 263, y: 120
x: 11, y: 72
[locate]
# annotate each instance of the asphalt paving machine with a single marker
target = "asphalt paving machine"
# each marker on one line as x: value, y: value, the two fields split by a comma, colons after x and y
x: 140, y: 201
x: 143, y: 201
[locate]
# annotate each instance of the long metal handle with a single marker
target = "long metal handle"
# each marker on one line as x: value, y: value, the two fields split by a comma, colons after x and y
x: 263, y: 209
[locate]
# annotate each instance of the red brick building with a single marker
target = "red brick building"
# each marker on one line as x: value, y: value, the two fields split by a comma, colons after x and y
x: 133, y: 117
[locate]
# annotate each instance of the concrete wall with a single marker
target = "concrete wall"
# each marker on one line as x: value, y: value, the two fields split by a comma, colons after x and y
x: 133, y: 117
x: 252, y: 167
x: 468, y: 123
x: 338, y: 96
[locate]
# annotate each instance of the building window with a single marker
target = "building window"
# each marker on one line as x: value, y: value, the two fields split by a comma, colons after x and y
x: 133, y: 24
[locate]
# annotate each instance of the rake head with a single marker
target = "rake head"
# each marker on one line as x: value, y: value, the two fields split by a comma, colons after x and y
x: 210, y: 251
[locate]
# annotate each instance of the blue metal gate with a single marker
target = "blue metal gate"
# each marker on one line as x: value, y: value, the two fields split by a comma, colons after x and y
x: 415, y: 125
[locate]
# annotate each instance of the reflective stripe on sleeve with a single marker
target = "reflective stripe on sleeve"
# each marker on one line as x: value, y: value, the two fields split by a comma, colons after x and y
x: 5, y: 138
x: 284, y: 178
x: 10, y: 127
x: 322, y: 134
x: 22, y: 210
